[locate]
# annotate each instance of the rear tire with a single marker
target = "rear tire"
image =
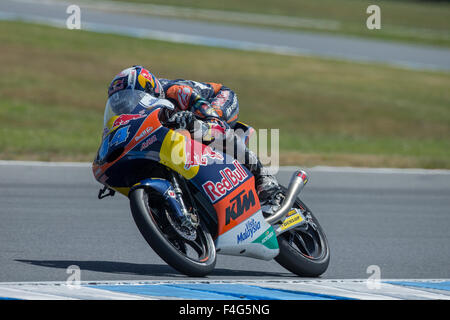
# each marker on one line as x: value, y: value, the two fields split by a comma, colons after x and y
x: 157, y: 231
x: 304, y: 250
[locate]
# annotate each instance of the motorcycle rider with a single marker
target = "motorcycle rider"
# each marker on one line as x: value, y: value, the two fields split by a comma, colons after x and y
x: 212, y: 107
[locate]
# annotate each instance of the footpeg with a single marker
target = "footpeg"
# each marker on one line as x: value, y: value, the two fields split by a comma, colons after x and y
x: 101, y: 192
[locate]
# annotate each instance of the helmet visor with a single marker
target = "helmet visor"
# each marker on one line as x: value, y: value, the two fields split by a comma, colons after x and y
x: 122, y: 102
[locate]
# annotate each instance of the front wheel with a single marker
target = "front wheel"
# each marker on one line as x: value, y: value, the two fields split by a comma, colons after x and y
x: 194, y: 256
x: 304, y: 250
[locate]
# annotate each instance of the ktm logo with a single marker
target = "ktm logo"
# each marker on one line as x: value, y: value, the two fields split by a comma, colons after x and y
x: 239, y: 204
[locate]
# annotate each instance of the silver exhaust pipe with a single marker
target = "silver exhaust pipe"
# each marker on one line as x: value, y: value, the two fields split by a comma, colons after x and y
x: 298, y: 182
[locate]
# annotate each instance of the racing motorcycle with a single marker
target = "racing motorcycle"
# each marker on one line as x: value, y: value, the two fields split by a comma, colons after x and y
x: 191, y: 201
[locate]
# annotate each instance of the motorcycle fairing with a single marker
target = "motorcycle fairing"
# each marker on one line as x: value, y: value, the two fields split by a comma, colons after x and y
x: 242, y: 228
x: 253, y: 237
x: 220, y: 178
x: 230, y: 187
x: 122, y: 144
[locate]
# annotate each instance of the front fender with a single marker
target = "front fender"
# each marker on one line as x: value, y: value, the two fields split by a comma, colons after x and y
x: 162, y: 187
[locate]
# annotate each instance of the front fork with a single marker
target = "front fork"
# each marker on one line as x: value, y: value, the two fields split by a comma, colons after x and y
x: 178, y: 193
x: 173, y: 194
x: 188, y: 219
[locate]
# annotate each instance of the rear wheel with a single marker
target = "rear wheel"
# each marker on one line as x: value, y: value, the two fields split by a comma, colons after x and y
x: 304, y: 250
x: 191, y: 252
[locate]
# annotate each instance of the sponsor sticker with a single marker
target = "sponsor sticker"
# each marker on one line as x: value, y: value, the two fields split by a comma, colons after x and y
x: 148, y: 142
x: 230, y: 179
x: 293, y: 218
x: 268, y: 239
x: 170, y: 193
x: 251, y: 227
x: 124, y: 119
x: 239, y: 204
x: 267, y: 235
x: 144, y: 133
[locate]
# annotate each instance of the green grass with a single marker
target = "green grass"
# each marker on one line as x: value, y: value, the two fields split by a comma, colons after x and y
x: 54, y: 83
x: 410, y: 21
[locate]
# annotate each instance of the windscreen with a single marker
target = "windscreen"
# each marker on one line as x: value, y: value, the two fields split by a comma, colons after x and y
x: 122, y: 102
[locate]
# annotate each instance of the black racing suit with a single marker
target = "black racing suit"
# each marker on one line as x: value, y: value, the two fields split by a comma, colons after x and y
x: 213, y: 103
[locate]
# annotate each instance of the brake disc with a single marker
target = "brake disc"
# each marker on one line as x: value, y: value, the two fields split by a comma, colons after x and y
x: 186, y: 231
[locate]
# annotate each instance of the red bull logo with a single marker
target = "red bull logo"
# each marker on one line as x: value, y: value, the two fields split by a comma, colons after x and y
x: 197, y: 154
x: 144, y: 73
x: 123, y: 119
x: 230, y: 179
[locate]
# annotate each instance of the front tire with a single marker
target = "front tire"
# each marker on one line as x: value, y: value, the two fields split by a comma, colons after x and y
x: 156, y: 229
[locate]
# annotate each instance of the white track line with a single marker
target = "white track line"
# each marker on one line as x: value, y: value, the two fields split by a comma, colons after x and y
x: 346, y: 288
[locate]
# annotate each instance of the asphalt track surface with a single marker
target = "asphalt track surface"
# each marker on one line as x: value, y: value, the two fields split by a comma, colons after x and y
x: 232, y: 36
x: 51, y: 219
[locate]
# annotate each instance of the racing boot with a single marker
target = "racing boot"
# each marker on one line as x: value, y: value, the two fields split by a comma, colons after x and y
x: 269, y: 191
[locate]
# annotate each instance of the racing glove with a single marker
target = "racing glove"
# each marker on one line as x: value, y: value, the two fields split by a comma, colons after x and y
x: 183, y: 120
x: 205, y: 130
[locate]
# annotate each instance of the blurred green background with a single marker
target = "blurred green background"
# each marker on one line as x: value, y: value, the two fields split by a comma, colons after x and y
x: 54, y: 85
x: 414, y: 21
